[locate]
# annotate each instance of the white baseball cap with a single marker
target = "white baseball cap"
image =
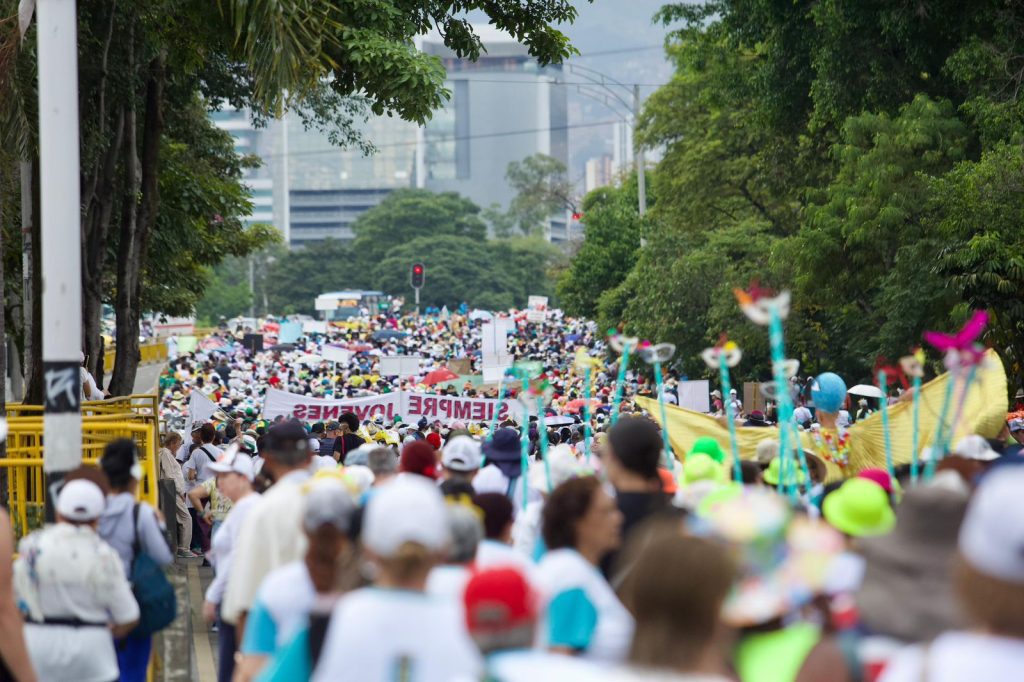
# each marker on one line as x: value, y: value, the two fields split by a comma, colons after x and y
x: 408, y: 509
x: 993, y: 532
x: 563, y: 465
x: 327, y: 502
x: 231, y: 461
x: 81, y: 500
x: 975, y: 447
x: 462, y: 453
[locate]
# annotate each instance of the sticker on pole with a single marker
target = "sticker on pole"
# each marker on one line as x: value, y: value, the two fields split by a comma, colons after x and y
x: 62, y: 389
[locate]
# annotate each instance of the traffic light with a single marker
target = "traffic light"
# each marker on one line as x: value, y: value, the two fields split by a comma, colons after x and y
x: 417, y: 275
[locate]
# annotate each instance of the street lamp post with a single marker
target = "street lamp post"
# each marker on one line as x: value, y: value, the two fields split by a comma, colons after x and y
x: 606, y: 83
x: 61, y: 260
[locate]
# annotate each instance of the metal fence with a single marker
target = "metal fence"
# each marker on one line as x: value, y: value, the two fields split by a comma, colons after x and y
x: 134, y: 417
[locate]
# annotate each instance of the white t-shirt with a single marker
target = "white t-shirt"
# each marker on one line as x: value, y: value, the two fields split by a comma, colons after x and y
x: 494, y: 554
x: 68, y: 572
x: 958, y: 657
x: 379, y: 634
x: 533, y: 665
x: 447, y: 582
x: 582, y: 611
x: 201, y: 461
x: 490, y: 480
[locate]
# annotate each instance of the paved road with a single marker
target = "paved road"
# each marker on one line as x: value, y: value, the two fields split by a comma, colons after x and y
x: 147, y: 378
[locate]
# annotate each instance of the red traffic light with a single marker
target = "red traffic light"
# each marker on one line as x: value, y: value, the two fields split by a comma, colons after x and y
x: 417, y: 275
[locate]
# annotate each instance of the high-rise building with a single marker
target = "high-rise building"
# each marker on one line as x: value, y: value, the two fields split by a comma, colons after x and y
x: 598, y: 172
x: 259, y: 142
x: 504, y: 107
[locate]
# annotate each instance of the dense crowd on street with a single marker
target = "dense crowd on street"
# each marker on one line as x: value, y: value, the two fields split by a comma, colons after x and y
x: 520, y: 548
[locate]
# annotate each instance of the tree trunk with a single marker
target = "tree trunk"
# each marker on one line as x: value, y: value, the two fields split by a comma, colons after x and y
x: 33, y: 284
x: 136, y: 228
x: 98, y: 202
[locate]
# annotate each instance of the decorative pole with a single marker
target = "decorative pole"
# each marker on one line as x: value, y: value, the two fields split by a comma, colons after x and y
x: 721, y: 357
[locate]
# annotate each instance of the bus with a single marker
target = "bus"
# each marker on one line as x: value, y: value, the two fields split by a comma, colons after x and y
x: 343, y: 305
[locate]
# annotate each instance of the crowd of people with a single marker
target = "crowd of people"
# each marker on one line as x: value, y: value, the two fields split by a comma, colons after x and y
x: 365, y: 550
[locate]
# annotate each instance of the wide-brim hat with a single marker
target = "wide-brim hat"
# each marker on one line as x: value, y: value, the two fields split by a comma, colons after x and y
x: 859, y: 508
x: 906, y: 592
x: 503, y: 446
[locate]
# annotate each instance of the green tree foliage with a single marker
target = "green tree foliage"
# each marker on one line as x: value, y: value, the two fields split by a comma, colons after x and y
x: 542, y: 190
x: 409, y: 214
x: 611, y: 227
x: 864, y: 155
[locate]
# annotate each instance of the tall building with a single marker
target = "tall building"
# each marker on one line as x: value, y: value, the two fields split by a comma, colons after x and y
x: 328, y: 188
x: 598, y: 172
x: 259, y: 142
x: 503, y: 108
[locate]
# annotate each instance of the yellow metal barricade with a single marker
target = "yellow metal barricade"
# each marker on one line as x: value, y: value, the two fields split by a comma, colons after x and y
x: 133, y: 417
x: 148, y: 352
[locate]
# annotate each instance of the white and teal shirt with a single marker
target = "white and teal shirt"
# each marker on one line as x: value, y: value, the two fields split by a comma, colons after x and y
x: 281, y: 609
x: 387, y: 634
x: 583, y: 612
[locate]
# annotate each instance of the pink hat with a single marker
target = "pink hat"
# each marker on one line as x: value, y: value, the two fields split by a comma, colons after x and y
x: 879, y: 476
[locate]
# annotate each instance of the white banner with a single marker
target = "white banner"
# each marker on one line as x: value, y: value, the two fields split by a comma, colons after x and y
x: 411, y: 406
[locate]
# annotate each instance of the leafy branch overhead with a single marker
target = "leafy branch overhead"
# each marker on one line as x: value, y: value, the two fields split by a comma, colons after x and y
x: 367, y: 47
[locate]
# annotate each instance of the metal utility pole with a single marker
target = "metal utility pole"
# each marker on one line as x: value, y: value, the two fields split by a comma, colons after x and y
x: 61, y: 263
x: 606, y: 83
x: 252, y: 288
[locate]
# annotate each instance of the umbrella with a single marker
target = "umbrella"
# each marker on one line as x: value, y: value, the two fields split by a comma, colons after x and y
x: 283, y: 346
x: 309, y: 360
x: 439, y: 375
x: 574, y: 406
x: 359, y: 347
x: 559, y: 421
x: 866, y: 391
x: 385, y: 334
x: 481, y: 315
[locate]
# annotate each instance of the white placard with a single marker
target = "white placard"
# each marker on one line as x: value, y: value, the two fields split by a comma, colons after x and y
x: 336, y: 354
x: 695, y: 395
x: 400, y: 365
x: 314, y: 327
x: 537, y: 309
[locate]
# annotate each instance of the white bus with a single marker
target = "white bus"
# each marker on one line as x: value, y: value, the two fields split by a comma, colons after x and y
x: 342, y: 305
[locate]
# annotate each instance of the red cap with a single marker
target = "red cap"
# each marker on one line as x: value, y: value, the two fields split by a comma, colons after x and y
x: 498, y: 599
x: 668, y: 481
x: 434, y: 439
x: 879, y: 476
x: 419, y: 457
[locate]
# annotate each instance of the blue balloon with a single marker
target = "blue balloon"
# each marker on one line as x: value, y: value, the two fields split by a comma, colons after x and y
x: 828, y: 392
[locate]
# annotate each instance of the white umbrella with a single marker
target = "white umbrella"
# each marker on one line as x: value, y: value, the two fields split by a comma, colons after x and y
x: 308, y: 360
x: 481, y: 315
x: 866, y: 391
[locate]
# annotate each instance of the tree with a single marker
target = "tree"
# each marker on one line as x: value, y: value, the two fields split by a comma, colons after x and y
x: 542, y: 190
x: 491, y: 275
x: 611, y: 239
x: 979, y: 207
x: 409, y: 214
x: 866, y: 247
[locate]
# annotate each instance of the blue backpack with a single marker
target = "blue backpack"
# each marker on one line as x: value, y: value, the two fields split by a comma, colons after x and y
x: 153, y: 591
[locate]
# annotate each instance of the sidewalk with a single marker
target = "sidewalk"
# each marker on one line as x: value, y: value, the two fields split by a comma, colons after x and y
x: 187, y: 650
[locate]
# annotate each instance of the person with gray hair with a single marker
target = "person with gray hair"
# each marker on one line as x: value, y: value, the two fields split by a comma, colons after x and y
x: 467, y: 530
x: 383, y: 463
x: 270, y: 536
